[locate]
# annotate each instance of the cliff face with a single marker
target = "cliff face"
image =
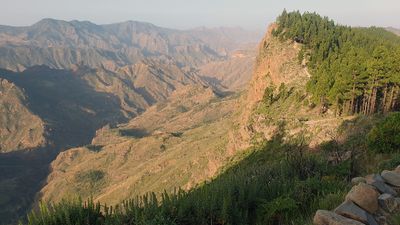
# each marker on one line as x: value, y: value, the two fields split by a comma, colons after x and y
x: 276, y: 64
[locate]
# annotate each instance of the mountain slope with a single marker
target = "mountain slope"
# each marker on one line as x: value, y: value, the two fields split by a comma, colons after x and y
x: 179, y: 143
x: 233, y: 73
x: 19, y: 127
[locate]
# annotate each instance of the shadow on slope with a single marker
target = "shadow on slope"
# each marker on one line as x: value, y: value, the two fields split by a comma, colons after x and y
x: 72, y: 112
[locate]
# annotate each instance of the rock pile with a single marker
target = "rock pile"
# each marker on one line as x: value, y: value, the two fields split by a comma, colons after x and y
x: 371, y: 201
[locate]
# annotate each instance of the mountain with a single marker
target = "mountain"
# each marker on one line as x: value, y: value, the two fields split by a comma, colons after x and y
x: 318, y: 111
x: 60, y: 44
x: 233, y: 73
x: 63, y: 81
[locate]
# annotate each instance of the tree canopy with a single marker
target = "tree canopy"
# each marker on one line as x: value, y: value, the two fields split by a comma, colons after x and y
x: 354, y: 70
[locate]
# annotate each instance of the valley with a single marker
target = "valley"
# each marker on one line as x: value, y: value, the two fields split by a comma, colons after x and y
x: 74, y: 83
x: 131, y: 123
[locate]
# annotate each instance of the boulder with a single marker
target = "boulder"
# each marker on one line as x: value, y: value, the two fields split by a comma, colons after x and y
x: 372, y: 177
x: 323, y: 217
x: 396, y: 189
x: 388, y: 203
x: 357, y: 180
x: 391, y: 177
x: 379, y: 183
x: 350, y: 210
x: 365, y: 196
x: 397, y: 170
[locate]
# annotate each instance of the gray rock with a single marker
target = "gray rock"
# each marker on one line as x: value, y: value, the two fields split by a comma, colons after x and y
x: 365, y: 196
x: 396, y: 189
x: 377, y: 177
x: 391, y: 177
x: 378, y: 182
x: 323, y: 217
x: 388, y: 203
x: 350, y: 210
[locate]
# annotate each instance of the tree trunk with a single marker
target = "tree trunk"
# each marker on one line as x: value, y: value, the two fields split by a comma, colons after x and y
x: 395, y: 98
x: 383, y: 104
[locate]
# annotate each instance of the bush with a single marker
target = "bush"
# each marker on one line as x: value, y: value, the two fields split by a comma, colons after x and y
x: 393, y: 162
x: 90, y: 176
x: 385, y: 136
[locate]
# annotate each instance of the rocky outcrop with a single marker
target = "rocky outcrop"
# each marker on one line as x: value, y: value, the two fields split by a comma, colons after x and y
x: 372, y: 201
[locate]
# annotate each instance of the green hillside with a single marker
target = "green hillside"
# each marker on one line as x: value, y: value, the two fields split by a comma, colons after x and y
x: 354, y: 70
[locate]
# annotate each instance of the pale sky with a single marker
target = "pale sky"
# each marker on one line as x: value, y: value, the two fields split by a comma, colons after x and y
x: 182, y: 14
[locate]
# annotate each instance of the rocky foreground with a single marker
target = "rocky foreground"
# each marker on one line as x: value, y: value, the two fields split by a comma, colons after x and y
x: 372, y: 201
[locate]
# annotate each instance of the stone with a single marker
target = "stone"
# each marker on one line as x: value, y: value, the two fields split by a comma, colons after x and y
x: 357, y: 180
x: 396, y: 189
x: 388, y: 202
x: 350, y: 210
x: 381, y: 220
x: 397, y: 170
x: 391, y: 177
x: 379, y: 183
x: 365, y: 196
x: 324, y: 217
x: 372, y: 177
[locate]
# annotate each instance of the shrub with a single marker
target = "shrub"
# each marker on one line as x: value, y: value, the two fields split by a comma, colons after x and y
x: 393, y: 162
x: 90, y: 176
x: 385, y: 136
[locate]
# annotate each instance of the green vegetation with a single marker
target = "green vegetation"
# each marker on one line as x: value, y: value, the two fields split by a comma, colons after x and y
x: 90, y: 176
x: 385, y: 136
x: 135, y: 133
x: 354, y: 70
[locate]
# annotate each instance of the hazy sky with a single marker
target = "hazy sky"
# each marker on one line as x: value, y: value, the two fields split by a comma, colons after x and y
x: 253, y: 14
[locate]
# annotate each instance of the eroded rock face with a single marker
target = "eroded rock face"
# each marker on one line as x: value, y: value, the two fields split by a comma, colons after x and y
x: 323, y: 217
x: 365, y: 196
